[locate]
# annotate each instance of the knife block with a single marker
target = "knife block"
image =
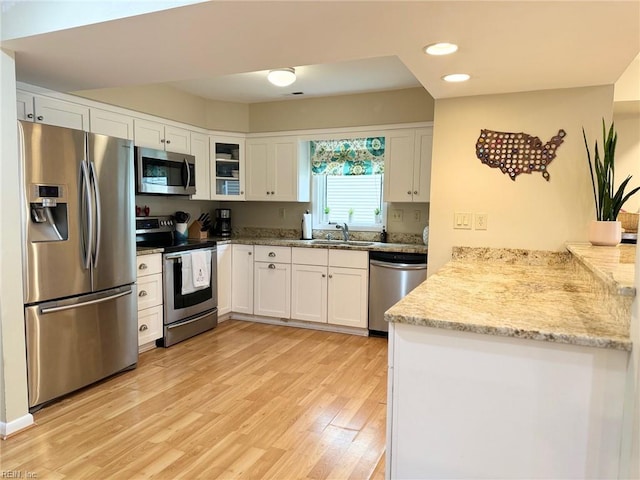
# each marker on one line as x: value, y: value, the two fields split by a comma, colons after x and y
x: 195, y: 231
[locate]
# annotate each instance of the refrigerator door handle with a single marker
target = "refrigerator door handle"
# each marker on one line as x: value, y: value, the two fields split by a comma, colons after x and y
x: 186, y: 164
x: 98, y: 219
x: 87, y: 221
x: 84, y: 304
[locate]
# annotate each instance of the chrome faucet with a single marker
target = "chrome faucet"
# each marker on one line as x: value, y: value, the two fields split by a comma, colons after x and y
x: 345, y: 231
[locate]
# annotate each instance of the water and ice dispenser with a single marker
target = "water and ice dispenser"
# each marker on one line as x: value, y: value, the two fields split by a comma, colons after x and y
x: 48, y: 212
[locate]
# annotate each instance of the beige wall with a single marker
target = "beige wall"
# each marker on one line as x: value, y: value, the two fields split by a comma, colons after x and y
x: 529, y: 213
x: 167, y: 102
x: 13, y: 373
x: 628, y: 154
x: 397, y: 106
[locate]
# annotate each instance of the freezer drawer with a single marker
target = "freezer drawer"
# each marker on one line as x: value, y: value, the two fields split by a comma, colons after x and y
x: 75, y: 342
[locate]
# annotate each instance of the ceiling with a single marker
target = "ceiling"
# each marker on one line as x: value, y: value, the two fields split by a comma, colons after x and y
x: 223, y: 50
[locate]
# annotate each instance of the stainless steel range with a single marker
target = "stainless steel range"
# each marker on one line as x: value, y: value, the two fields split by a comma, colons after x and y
x: 189, y: 279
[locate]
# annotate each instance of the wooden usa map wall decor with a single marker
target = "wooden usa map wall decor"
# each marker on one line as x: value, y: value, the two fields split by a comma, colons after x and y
x: 516, y: 153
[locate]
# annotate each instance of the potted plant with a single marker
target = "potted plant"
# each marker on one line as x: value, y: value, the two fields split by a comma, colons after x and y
x: 350, y: 215
x: 326, y: 214
x: 606, y: 229
x: 376, y: 213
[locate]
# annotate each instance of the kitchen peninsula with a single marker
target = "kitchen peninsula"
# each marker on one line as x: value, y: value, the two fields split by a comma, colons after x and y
x: 513, y: 364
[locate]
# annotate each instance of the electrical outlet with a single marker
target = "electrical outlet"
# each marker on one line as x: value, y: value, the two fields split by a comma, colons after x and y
x: 396, y: 215
x: 480, y: 221
x: 462, y: 220
x: 416, y: 216
x: 282, y: 213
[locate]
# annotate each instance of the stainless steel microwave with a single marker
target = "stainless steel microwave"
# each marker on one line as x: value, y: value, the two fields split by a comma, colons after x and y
x: 165, y: 173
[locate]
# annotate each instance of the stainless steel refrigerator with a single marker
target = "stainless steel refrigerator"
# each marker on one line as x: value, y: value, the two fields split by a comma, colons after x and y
x: 79, y: 258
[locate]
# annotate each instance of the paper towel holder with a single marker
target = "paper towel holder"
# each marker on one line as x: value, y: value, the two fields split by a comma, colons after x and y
x: 306, y: 226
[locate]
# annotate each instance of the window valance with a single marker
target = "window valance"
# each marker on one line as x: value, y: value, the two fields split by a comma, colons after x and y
x: 353, y: 156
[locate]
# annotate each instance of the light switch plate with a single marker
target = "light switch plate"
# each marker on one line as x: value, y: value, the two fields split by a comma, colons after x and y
x: 462, y: 220
x: 396, y: 215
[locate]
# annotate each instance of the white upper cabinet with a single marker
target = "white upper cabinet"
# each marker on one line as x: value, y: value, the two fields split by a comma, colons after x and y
x: 278, y: 169
x: 161, y: 137
x: 200, y: 149
x: 51, y: 111
x: 113, y: 124
x: 227, y: 172
x: 408, y: 165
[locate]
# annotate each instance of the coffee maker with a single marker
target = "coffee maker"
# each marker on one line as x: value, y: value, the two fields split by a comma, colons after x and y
x: 222, y: 227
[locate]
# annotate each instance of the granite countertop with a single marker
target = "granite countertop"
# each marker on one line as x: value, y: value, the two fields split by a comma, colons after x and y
x: 534, y: 295
x: 289, y: 242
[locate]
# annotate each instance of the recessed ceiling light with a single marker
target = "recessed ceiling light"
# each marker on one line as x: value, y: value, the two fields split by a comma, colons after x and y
x: 282, y: 77
x: 456, y: 77
x: 442, y: 48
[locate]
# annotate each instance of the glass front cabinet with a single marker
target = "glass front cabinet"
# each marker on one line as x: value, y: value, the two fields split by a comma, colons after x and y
x: 227, y: 168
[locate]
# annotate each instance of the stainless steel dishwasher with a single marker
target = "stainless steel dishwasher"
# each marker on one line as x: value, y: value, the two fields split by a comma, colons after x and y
x: 391, y: 276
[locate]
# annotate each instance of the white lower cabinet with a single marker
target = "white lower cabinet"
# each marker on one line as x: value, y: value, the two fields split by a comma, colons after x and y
x: 149, y: 283
x: 348, y: 296
x: 309, y: 284
x: 242, y: 279
x: 309, y: 293
x: 272, y: 281
x: 224, y: 263
x: 330, y: 286
x: 348, y: 288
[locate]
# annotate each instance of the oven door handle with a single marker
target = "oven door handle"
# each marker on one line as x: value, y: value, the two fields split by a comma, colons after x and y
x: 174, y: 256
x: 187, y: 322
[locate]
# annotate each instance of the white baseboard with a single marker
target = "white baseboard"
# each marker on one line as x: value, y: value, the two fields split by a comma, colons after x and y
x: 16, y: 425
x: 301, y: 324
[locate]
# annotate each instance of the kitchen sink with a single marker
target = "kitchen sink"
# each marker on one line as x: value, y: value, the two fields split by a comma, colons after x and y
x: 341, y: 242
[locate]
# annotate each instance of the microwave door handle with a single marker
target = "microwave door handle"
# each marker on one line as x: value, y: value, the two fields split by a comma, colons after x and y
x: 186, y: 164
x: 87, y: 221
x: 98, y: 219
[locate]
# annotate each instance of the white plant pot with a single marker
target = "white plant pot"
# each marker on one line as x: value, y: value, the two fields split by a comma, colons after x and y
x: 605, y: 233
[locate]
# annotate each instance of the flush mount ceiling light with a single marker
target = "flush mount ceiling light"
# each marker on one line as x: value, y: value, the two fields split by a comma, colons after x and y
x: 456, y: 77
x: 442, y: 48
x: 282, y: 77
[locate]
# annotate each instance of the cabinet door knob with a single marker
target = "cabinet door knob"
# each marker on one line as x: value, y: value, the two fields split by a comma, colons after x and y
x: 409, y: 192
x: 249, y: 253
x: 415, y: 192
x: 143, y: 293
x: 162, y: 140
x: 40, y: 117
x: 241, y: 192
x: 273, y: 193
x: 267, y: 193
x: 323, y: 275
x: 143, y: 327
x: 272, y: 254
x: 330, y: 276
x: 168, y: 141
x: 29, y: 115
x: 143, y: 266
x: 272, y: 266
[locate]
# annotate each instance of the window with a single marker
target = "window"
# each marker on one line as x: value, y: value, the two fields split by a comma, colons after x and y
x: 347, y: 181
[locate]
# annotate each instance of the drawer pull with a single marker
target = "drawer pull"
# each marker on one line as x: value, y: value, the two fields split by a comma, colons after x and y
x: 143, y: 327
x: 272, y: 266
x: 143, y: 293
x: 272, y: 254
x: 143, y: 266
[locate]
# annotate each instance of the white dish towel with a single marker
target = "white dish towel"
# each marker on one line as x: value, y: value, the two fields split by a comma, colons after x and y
x: 196, y: 271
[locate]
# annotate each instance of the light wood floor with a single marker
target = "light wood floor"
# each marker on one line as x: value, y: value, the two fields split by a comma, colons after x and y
x: 245, y: 400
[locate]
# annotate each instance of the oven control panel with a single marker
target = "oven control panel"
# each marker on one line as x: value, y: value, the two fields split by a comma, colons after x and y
x: 154, y: 224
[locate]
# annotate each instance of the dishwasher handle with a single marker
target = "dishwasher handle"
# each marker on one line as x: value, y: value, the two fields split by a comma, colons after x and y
x: 398, y: 266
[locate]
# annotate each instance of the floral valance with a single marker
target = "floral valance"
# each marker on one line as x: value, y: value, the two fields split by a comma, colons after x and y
x: 353, y: 156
